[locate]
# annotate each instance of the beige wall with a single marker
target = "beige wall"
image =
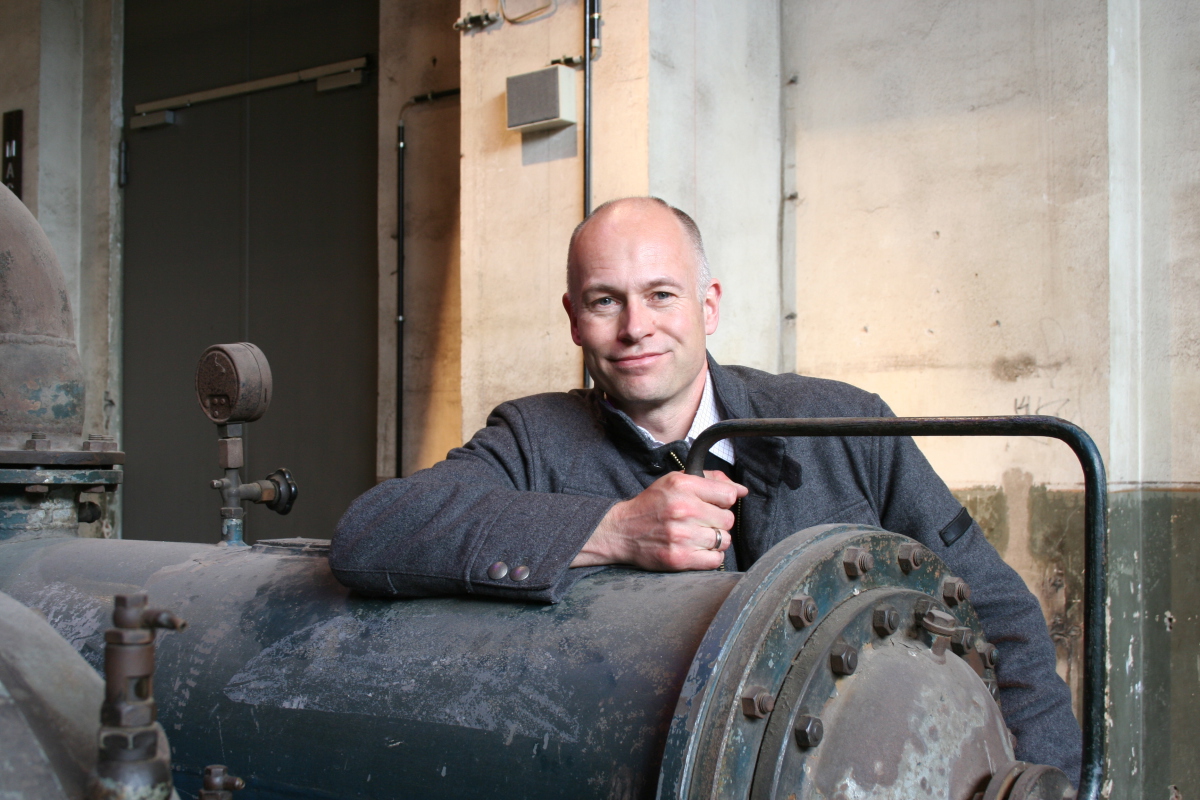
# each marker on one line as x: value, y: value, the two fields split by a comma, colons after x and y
x: 950, y: 226
x: 418, y: 50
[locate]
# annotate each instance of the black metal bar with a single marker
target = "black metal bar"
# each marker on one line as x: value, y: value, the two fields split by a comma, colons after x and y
x: 1095, y: 678
x: 400, y: 294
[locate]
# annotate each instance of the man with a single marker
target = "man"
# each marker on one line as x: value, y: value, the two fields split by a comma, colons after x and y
x: 558, y: 483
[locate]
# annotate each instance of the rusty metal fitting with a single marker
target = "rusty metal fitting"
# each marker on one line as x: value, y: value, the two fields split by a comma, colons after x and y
x: 809, y: 730
x: 989, y: 653
x: 219, y: 784
x: 885, y: 620
x: 962, y: 640
x: 911, y: 556
x: 802, y: 611
x: 757, y: 702
x: 955, y: 591
x: 37, y: 441
x: 938, y: 622
x: 857, y: 562
x: 843, y: 659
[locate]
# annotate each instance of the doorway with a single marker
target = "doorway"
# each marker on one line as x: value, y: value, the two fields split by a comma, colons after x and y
x: 249, y: 218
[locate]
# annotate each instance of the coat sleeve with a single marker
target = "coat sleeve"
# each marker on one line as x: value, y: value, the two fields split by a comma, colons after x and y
x: 1035, y: 700
x: 438, y: 531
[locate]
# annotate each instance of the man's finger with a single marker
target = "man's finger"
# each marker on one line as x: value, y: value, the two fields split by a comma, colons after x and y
x: 714, y: 491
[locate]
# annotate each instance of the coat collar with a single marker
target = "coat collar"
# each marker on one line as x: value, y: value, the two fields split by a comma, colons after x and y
x: 760, y: 456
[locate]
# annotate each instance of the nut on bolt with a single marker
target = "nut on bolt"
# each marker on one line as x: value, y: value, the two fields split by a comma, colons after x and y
x: 955, y: 591
x: 757, y: 702
x: 962, y: 640
x: 809, y: 730
x: 885, y: 620
x: 989, y: 654
x: 843, y: 659
x: 911, y: 556
x: 857, y: 561
x: 802, y: 611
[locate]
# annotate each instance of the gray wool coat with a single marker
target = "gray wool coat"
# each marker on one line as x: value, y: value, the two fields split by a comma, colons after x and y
x: 531, y: 487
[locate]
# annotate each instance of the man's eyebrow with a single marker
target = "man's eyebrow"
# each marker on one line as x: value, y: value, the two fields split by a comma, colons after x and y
x: 646, y: 286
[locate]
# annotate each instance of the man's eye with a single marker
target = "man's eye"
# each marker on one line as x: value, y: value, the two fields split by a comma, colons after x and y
x: 603, y: 302
x: 663, y: 296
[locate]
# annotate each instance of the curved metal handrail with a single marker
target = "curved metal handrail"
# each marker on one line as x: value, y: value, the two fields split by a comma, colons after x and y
x: 1095, y: 594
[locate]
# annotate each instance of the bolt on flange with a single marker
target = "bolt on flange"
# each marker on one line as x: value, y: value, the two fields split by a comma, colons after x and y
x: 843, y: 659
x: 802, y: 611
x: 955, y: 591
x: 757, y: 702
x: 857, y: 562
x: 911, y: 556
x: 809, y: 730
x: 989, y: 653
x: 885, y: 620
x: 962, y: 640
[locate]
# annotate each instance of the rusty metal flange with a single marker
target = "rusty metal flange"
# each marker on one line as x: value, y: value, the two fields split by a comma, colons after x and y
x: 714, y: 749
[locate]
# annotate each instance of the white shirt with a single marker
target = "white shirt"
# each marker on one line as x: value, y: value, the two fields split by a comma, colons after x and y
x: 707, y: 415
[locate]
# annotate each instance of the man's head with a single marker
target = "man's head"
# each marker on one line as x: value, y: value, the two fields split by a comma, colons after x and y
x: 641, y: 303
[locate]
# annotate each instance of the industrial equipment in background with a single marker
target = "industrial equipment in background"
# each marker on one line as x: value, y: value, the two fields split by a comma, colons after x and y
x: 848, y: 660
x: 51, y: 476
x: 233, y: 385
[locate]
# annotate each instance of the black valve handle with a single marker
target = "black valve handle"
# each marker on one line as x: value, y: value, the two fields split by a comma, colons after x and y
x: 1095, y: 487
x: 285, y: 490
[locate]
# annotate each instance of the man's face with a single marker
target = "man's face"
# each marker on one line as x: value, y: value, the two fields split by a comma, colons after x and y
x: 635, y: 308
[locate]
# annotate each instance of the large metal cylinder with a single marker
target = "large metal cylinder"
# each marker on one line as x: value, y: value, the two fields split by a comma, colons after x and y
x: 42, y: 380
x: 636, y: 685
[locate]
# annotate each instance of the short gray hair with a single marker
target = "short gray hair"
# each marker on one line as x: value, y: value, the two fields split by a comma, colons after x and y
x: 704, y: 273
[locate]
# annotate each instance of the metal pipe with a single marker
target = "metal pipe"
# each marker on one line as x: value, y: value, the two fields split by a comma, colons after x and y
x: 591, y: 50
x: 1095, y: 679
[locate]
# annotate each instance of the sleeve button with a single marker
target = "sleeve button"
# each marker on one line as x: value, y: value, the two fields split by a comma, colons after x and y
x: 498, y: 570
x: 520, y: 573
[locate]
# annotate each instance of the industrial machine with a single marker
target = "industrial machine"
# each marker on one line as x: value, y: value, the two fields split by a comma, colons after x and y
x: 847, y: 662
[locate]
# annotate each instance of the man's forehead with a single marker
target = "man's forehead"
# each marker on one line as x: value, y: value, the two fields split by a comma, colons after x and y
x: 633, y: 240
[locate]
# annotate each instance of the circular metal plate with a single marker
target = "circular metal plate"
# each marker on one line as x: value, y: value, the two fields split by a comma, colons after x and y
x: 233, y: 383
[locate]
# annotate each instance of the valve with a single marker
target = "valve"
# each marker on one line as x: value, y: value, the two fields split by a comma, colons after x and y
x: 134, y: 759
x: 233, y: 387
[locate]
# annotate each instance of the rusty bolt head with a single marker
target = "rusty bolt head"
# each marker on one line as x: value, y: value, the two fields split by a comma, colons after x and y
x: 885, y: 620
x: 962, y: 640
x: 857, y: 561
x: 843, y: 659
x: 218, y: 779
x: 955, y: 591
x: 989, y: 654
x: 809, y: 730
x: 911, y: 556
x: 757, y: 702
x: 802, y: 611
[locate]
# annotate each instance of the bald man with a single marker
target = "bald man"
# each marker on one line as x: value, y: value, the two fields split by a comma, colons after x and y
x: 559, y: 484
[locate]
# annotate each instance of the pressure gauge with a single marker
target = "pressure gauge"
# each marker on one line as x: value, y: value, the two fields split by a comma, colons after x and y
x: 233, y: 383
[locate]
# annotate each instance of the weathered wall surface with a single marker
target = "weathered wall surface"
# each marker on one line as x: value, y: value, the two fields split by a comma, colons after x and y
x: 418, y: 53
x: 20, y: 41
x: 1154, y: 320
x: 950, y: 222
x: 715, y: 149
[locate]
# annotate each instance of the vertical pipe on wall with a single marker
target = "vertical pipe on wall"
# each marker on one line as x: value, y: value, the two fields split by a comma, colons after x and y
x: 400, y: 295
x: 591, y: 50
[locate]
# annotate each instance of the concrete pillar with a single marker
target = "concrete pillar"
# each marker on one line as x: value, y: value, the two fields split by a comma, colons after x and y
x: 418, y: 53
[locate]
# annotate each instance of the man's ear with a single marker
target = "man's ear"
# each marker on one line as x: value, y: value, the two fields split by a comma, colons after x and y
x: 712, y: 307
x: 575, y: 337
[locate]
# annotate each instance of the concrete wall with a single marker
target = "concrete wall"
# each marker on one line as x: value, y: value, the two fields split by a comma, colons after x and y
x: 418, y: 53
x: 995, y: 212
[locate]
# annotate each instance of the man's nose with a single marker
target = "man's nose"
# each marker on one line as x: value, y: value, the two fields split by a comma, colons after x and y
x: 636, y: 322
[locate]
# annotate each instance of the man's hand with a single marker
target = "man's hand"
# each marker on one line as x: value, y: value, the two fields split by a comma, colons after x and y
x: 670, y: 527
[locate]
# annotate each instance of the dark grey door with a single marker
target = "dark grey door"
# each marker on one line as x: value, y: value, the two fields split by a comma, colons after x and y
x: 249, y: 219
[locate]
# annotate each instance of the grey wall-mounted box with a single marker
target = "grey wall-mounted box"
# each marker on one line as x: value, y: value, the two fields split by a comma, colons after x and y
x: 542, y: 99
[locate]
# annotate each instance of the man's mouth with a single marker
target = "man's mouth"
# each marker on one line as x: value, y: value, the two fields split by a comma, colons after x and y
x: 636, y: 360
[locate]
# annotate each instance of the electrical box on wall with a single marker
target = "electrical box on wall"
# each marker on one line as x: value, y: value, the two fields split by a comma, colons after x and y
x: 542, y: 99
